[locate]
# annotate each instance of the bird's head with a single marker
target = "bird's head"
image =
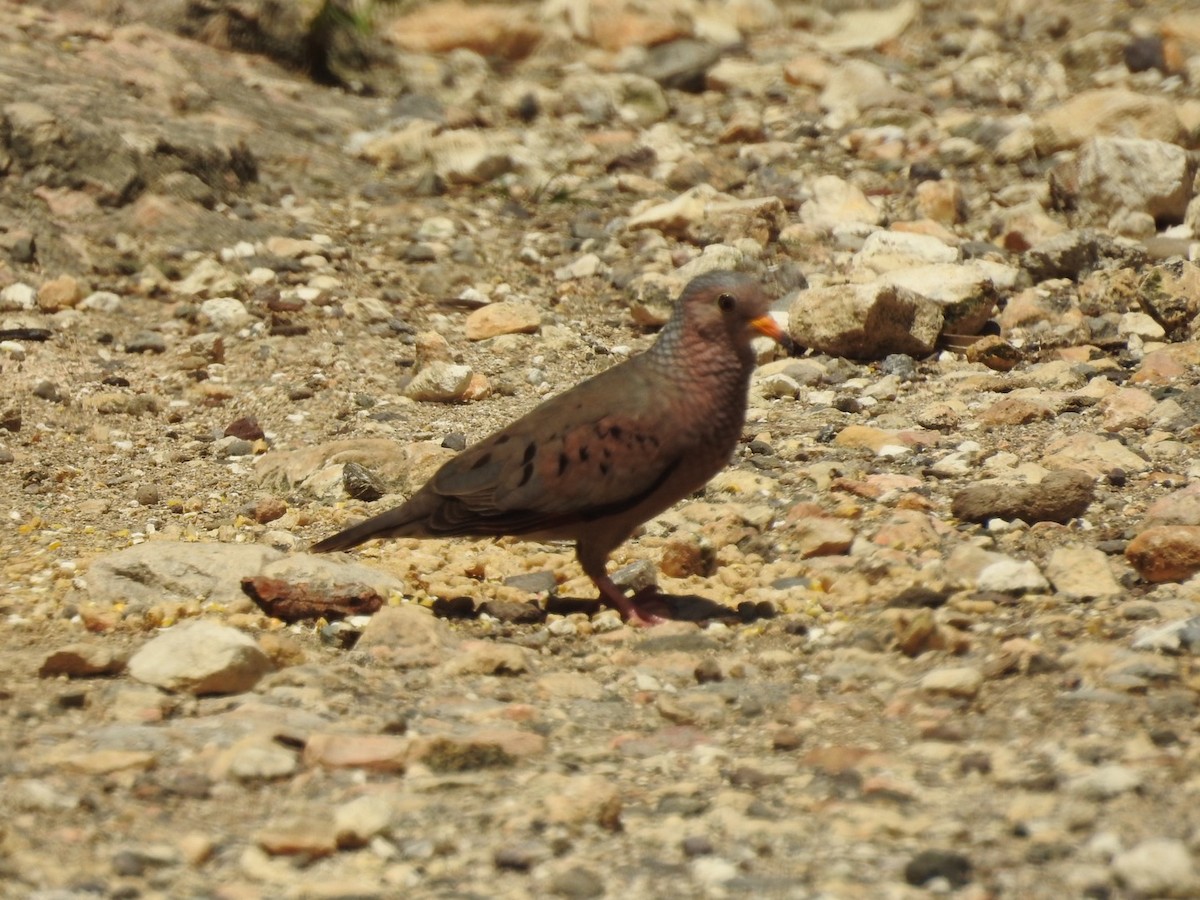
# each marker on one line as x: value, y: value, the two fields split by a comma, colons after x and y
x: 726, y: 307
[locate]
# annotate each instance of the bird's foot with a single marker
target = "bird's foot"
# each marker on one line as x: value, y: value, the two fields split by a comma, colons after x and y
x: 644, y: 608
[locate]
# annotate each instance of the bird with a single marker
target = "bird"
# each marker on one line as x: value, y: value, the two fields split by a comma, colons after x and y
x: 593, y: 463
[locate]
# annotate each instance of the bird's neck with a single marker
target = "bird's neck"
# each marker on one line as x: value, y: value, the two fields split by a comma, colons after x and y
x: 691, y: 361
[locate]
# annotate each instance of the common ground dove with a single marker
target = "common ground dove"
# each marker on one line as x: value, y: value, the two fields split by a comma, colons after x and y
x: 593, y: 463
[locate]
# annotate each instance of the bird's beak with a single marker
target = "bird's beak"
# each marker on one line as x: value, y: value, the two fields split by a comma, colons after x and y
x: 768, y: 326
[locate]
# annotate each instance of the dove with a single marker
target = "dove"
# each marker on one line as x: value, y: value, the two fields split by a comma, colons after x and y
x: 593, y: 463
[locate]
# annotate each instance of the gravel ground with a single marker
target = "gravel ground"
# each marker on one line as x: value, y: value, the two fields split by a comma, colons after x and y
x: 935, y: 624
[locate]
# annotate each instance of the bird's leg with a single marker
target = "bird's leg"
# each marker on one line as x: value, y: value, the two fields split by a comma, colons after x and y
x: 636, y: 609
x: 633, y: 609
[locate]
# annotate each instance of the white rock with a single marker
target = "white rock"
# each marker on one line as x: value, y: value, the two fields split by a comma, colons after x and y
x: 1105, y: 782
x: 101, y: 301
x: 200, y: 657
x: 176, y: 571
x: 1142, y: 176
x: 864, y: 321
x: 1081, y: 573
x: 957, y: 681
x: 836, y: 201
x: 368, y: 309
x: 436, y: 228
x: 225, y: 313
x: 1142, y: 325
x: 584, y: 267
x: 885, y: 251
x: 1012, y: 576
x: 359, y: 820
x: 1158, y: 867
x: 18, y: 296
x: 440, y: 382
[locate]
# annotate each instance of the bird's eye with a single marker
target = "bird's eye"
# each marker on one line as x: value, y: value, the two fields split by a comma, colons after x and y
x: 725, y: 302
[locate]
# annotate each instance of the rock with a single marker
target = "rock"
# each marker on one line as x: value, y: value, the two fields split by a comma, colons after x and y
x: 200, y: 657
x: 1059, y: 497
x: 866, y: 321
x: 837, y: 202
x: 932, y: 864
x: 1170, y: 293
x: 440, y: 382
x: 488, y: 658
x: 307, y: 838
x: 705, y: 210
x: 184, y: 572
x: 1180, y: 636
x: 1157, y: 867
x: 407, y: 636
x: 1081, y: 573
x: 63, y: 292
x: 1180, y: 507
x: 1012, y: 576
x: 1166, y: 552
x: 967, y: 293
x: 1075, y: 254
x: 1105, y: 782
x: 502, y: 318
x: 468, y: 157
x: 1107, y: 111
x: 1136, y: 175
x: 580, y: 800
x: 225, y: 313
x: 357, y: 821
x: 887, y: 251
x: 374, y: 752
x: 1090, y: 453
x: 962, y: 681
x: 632, y: 99
x: 577, y: 881
x: 84, y: 660
x: 257, y: 758
x: 491, y: 31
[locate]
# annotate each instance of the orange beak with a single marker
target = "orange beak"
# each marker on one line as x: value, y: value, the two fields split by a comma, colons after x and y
x: 768, y: 326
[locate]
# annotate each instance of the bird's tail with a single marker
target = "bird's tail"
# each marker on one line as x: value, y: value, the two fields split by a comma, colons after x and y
x: 406, y: 520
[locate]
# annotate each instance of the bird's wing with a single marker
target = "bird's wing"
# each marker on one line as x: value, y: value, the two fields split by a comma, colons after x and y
x: 594, y: 451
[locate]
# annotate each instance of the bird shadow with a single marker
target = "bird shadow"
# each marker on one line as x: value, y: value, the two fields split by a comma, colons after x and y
x: 676, y: 607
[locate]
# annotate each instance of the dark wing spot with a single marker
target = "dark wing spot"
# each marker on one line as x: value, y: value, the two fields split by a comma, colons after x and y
x: 530, y: 452
x: 583, y: 454
x: 604, y: 467
x: 503, y: 439
x: 615, y: 431
x: 526, y: 475
x: 482, y: 461
x: 563, y: 462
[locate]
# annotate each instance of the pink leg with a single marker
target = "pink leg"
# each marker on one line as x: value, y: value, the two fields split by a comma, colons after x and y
x: 635, y: 610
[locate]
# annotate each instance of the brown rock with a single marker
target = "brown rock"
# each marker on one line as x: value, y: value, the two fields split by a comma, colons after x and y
x: 502, y: 318
x: 296, y: 601
x: 683, y: 558
x: 942, y: 201
x: 377, y: 752
x: 268, y: 509
x: 1166, y: 552
x: 490, y: 30
x: 995, y: 353
x: 1015, y: 411
x: 1059, y: 497
x: 1108, y: 111
x: 63, y: 292
x: 300, y: 837
x: 84, y: 660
